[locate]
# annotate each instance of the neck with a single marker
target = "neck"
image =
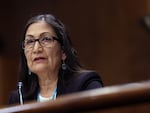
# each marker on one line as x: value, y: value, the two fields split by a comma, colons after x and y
x: 48, y: 85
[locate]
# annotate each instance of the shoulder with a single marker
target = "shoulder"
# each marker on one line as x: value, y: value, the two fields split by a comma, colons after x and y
x: 80, y: 81
x: 88, y: 77
x: 86, y: 74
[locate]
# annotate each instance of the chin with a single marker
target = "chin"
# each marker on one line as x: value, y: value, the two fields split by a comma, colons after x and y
x: 39, y: 69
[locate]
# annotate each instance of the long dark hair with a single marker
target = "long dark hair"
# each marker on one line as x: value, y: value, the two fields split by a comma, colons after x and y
x: 30, y: 82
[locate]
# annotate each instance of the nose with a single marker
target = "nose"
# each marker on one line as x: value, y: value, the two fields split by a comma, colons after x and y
x: 37, y: 47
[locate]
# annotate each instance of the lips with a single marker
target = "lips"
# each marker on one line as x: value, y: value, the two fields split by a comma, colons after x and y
x: 39, y: 58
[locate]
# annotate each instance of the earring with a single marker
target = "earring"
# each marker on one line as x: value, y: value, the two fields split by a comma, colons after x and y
x: 29, y: 72
x: 63, y: 66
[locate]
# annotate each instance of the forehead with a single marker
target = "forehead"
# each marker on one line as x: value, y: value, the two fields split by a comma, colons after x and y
x: 37, y: 28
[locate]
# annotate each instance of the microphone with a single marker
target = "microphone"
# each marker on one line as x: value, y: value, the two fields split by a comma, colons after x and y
x: 145, y: 22
x: 20, y: 85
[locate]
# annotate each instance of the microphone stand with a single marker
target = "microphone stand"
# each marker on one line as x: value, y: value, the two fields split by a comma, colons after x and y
x: 20, y: 84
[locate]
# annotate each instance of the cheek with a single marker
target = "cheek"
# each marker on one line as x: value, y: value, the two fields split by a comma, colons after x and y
x: 28, y: 57
x: 55, y: 55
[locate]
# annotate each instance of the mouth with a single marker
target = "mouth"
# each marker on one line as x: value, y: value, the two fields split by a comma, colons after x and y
x: 39, y: 59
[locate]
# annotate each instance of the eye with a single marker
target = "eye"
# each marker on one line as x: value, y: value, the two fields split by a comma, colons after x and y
x: 47, y: 39
x: 29, y: 41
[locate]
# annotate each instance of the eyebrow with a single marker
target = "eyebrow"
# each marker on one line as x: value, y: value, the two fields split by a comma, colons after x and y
x: 31, y: 36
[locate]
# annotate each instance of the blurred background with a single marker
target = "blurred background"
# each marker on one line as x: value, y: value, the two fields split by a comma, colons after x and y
x: 109, y: 35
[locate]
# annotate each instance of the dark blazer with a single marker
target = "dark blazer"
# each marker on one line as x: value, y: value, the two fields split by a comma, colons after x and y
x: 78, y: 82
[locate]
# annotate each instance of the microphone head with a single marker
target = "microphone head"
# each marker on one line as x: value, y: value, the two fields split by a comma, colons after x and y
x: 145, y: 22
x: 20, y: 84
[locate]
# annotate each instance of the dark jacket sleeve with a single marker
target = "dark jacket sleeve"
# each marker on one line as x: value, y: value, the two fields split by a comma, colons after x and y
x: 82, y: 81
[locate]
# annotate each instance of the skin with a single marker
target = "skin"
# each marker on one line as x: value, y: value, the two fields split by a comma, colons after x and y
x: 49, y: 59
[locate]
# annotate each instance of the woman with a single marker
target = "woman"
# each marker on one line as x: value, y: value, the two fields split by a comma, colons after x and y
x: 49, y: 65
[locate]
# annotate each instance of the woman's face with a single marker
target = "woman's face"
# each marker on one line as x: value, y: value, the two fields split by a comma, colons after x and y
x: 41, y: 59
